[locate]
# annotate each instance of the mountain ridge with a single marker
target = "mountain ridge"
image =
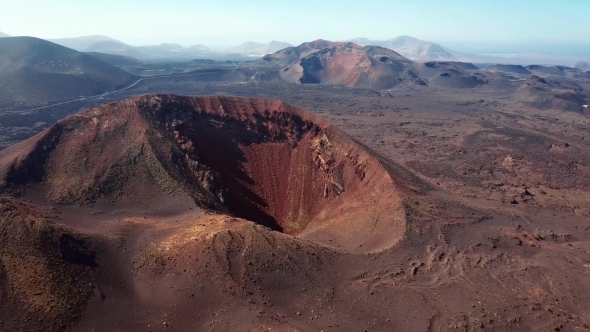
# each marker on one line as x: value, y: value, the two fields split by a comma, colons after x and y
x: 108, y: 45
x: 420, y: 50
x: 36, y: 70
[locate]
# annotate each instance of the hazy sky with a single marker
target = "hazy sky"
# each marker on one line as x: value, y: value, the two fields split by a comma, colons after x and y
x: 458, y: 23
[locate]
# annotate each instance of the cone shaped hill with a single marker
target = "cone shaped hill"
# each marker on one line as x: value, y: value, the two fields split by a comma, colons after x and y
x: 260, y: 160
x: 352, y: 65
x: 181, y: 174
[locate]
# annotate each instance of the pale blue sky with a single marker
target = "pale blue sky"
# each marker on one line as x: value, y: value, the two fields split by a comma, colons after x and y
x: 474, y: 24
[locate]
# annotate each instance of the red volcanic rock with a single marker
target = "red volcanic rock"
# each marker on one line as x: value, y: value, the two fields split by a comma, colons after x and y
x: 260, y: 160
x: 111, y: 212
x: 345, y: 63
x: 355, y: 66
x: 157, y: 213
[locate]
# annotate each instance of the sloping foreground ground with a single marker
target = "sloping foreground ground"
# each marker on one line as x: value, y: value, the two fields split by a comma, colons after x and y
x: 171, y: 213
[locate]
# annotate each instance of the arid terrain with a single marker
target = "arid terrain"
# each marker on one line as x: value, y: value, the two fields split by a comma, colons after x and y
x: 36, y: 72
x: 454, y: 199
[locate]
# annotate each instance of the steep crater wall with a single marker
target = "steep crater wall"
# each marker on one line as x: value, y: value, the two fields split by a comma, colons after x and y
x: 257, y: 159
x: 268, y: 162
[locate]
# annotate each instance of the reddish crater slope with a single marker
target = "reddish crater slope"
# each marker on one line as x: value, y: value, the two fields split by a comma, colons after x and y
x: 257, y: 159
x: 356, y: 66
x: 106, y: 212
x: 164, y: 213
x: 349, y: 64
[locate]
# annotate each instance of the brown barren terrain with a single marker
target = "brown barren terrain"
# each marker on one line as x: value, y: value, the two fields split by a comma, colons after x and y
x: 444, y: 211
x: 35, y: 71
x: 255, y: 159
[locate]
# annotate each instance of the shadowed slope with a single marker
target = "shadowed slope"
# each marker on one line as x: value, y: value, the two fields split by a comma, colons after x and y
x: 35, y: 70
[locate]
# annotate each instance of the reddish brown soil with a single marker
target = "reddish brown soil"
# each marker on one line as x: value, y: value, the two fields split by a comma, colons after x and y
x: 350, y: 65
x: 373, y: 67
x: 157, y: 213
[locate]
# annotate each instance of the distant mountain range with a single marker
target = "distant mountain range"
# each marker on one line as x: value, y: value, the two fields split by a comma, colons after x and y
x: 257, y: 49
x: 104, y: 44
x: 410, y: 47
x: 168, y: 51
x: 414, y: 49
x: 420, y: 50
x: 82, y: 44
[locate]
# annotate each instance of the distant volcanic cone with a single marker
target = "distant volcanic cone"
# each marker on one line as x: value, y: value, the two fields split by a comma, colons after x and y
x: 356, y: 66
x: 256, y: 159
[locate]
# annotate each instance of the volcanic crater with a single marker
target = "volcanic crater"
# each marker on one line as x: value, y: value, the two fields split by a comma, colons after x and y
x: 260, y: 160
x: 157, y: 205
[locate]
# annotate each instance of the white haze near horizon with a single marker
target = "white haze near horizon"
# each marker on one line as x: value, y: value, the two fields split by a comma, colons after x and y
x: 484, y: 26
